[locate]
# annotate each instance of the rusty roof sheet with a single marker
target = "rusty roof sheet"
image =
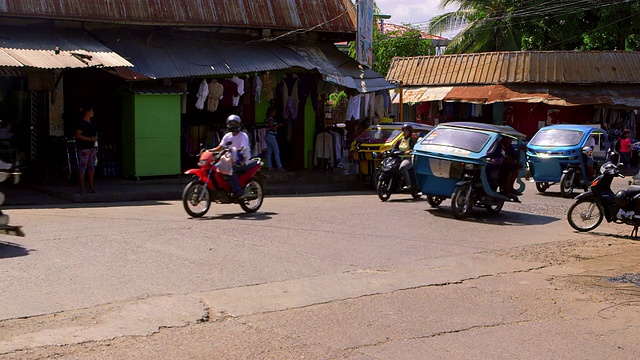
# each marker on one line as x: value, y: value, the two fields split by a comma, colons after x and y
x: 328, y: 15
x: 36, y: 47
x: 538, y: 67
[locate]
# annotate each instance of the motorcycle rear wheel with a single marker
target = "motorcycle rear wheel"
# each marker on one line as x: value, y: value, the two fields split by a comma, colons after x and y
x: 587, y: 213
x: 542, y: 186
x: 434, y: 201
x: 566, y: 186
x: 494, y: 208
x: 460, y: 202
x: 383, y: 190
x: 193, y: 205
x: 253, y: 190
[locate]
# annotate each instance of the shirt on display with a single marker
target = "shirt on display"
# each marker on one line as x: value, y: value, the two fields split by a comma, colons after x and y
x: 239, y: 90
x: 216, y: 91
x: 203, y: 92
x: 230, y: 90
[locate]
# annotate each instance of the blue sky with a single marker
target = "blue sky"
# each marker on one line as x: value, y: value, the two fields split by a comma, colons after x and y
x: 412, y: 11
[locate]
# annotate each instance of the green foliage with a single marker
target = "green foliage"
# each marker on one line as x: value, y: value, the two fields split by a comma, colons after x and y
x: 335, y: 98
x: 498, y: 25
x: 395, y: 43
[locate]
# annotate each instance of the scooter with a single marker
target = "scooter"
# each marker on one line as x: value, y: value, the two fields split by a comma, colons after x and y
x: 5, y: 228
x: 601, y: 203
x: 389, y: 177
x: 210, y: 184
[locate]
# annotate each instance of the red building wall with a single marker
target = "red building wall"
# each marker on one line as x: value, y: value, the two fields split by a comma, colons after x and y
x: 527, y: 118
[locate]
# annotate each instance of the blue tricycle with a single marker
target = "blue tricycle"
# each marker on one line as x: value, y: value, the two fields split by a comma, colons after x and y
x: 467, y: 162
x: 555, y: 155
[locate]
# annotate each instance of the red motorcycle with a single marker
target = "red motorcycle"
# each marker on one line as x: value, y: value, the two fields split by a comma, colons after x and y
x: 210, y: 185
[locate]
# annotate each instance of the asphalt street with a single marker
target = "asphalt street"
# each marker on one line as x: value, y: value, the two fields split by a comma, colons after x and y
x: 148, y: 266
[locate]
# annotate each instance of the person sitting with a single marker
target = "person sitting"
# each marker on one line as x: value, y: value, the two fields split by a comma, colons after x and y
x: 589, y: 163
x: 510, y: 168
x: 405, y: 145
x: 240, y: 141
x: 494, y: 164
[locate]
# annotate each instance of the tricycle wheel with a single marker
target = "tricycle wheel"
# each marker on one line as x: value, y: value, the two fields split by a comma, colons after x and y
x: 434, y: 201
x: 495, y: 207
x: 542, y: 186
x: 195, y: 203
x: 461, y: 201
x: 253, y: 196
x: 383, y: 190
x: 566, y: 184
x: 416, y: 194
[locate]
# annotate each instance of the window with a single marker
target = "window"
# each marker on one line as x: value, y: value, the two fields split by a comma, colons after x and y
x: 557, y: 137
x: 461, y: 139
x: 378, y: 136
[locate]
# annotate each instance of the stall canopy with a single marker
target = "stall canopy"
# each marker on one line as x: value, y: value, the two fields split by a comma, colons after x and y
x: 54, y: 49
x: 157, y: 55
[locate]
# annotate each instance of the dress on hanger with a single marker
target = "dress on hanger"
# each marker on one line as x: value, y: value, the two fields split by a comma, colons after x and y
x: 203, y: 92
x: 215, y: 94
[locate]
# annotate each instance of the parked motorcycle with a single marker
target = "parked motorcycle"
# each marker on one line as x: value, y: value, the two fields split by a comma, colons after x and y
x: 601, y: 203
x: 390, y: 179
x: 211, y: 186
x: 5, y: 228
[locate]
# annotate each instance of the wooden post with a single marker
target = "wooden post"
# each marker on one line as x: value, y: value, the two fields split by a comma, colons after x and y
x: 400, y: 105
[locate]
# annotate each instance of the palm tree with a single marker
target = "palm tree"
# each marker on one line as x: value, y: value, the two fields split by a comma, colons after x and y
x: 489, y: 26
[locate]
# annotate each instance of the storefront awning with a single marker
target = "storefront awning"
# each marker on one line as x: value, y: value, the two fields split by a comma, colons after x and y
x: 158, y: 55
x: 423, y: 94
x: 54, y: 49
x: 559, y: 95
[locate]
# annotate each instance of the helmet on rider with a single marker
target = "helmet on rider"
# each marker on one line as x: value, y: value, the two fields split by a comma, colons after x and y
x: 587, y: 150
x: 407, y: 127
x: 234, y: 123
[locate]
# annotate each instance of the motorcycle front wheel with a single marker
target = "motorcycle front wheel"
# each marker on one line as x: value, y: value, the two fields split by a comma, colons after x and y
x: 254, y: 196
x: 461, y: 201
x: 383, y: 189
x: 585, y: 215
x: 495, y: 207
x: 195, y: 203
x: 566, y: 184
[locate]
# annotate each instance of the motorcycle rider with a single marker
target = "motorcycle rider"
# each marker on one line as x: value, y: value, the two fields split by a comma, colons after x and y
x: 240, y: 141
x: 587, y: 152
x: 405, y: 145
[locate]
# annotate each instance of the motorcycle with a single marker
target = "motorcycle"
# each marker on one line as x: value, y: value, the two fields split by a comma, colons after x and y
x: 574, y: 177
x: 210, y: 184
x: 389, y: 178
x: 5, y: 228
x: 601, y: 203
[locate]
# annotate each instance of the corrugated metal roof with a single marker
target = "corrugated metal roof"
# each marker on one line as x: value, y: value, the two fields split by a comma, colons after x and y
x: 35, y: 47
x: 541, y: 67
x: 269, y: 14
x: 422, y: 94
x: 160, y: 55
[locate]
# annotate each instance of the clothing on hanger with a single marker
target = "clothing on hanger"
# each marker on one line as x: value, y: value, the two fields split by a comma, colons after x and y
x: 230, y: 91
x: 353, y: 109
x: 203, y: 91
x: 269, y: 84
x: 324, y: 147
x: 216, y: 90
x: 290, y: 96
x: 257, y: 88
x: 239, y: 89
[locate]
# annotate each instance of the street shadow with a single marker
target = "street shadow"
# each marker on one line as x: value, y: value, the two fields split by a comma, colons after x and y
x: 11, y: 250
x: 557, y: 195
x: 505, y: 217
x: 84, y: 205
x: 258, y: 216
x: 615, y: 236
x: 408, y: 199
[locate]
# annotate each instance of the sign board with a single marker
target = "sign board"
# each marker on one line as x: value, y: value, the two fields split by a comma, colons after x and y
x: 364, y: 40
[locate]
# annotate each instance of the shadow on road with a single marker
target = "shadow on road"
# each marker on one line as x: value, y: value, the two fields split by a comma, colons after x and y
x: 87, y: 205
x: 558, y: 195
x: 10, y: 250
x: 242, y: 216
x: 503, y: 218
x: 615, y: 236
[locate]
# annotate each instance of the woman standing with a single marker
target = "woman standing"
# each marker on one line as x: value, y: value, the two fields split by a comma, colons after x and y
x: 86, y: 143
x: 271, y: 138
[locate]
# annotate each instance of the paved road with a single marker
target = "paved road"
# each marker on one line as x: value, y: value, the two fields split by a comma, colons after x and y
x: 147, y: 265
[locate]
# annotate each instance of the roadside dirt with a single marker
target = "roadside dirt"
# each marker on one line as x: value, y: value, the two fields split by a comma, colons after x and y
x: 566, y: 310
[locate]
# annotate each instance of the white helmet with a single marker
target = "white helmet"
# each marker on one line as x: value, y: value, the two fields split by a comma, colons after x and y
x: 234, y: 123
x: 587, y: 149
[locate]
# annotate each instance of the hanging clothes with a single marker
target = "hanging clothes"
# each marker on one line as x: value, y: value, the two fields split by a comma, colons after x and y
x: 269, y: 84
x: 307, y: 87
x: 247, y: 90
x: 369, y: 105
x: 379, y: 110
x: 239, y: 89
x: 230, y: 90
x: 337, y: 146
x: 257, y: 88
x: 324, y: 147
x: 202, y: 94
x: 290, y: 96
x: 215, y: 94
x: 353, y: 109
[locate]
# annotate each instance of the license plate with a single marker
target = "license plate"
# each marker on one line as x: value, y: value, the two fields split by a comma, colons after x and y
x: 440, y: 168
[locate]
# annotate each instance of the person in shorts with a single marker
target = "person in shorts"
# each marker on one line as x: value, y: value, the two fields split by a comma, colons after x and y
x: 86, y: 138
